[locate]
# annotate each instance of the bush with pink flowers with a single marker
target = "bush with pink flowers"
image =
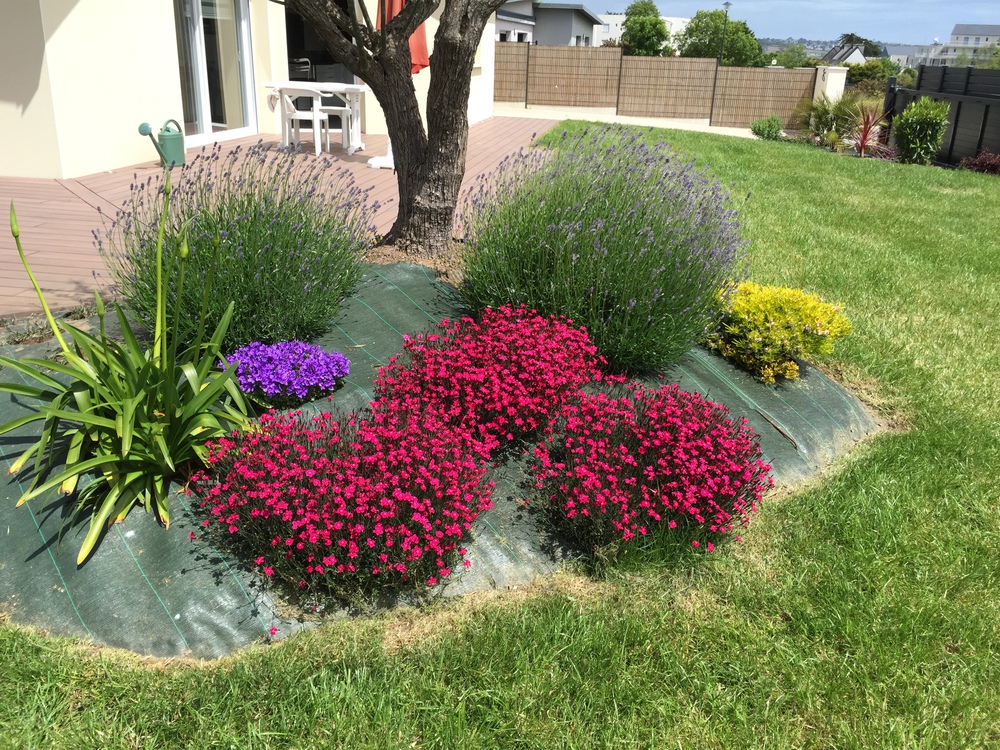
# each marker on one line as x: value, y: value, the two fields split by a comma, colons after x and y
x: 379, y: 499
x: 503, y: 375
x: 614, y: 468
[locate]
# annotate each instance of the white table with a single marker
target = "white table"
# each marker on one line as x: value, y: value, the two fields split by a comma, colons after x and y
x: 350, y: 93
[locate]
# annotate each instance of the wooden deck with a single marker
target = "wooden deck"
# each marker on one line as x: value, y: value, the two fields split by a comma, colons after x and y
x: 57, y: 218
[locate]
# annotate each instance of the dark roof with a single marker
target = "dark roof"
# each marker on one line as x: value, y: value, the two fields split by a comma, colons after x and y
x: 975, y: 29
x: 571, y: 6
x: 842, y: 52
x: 523, y: 17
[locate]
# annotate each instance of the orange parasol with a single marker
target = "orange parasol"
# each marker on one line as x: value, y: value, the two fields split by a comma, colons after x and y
x: 418, y: 40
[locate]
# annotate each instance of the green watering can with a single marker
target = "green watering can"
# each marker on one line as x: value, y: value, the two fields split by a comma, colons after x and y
x: 170, y: 145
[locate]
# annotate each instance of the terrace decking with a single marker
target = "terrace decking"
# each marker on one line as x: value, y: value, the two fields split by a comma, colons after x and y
x: 57, y: 217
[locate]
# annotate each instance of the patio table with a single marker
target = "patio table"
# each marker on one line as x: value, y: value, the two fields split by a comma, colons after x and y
x: 350, y: 93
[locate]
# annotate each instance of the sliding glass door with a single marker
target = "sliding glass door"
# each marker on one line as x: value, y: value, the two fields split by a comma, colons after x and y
x: 213, y: 49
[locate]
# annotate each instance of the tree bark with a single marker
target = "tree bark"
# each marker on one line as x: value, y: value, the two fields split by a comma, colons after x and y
x: 429, y: 164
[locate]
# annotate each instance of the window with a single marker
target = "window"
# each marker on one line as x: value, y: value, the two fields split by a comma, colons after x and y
x: 579, y: 41
x: 966, y: 40
x: 503, y: 36
x: 606, y: 28
x: 522, y: 36
x: 977, y: 41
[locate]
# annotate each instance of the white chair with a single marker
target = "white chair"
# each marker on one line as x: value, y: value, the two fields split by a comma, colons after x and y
x: 291, y: 116
x: 343, y: 111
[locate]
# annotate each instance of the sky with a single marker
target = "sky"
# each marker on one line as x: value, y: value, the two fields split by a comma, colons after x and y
x: 889, y: 21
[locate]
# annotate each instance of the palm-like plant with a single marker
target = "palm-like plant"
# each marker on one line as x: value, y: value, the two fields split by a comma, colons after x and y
x: 868, y: 121
x: 133, y: 416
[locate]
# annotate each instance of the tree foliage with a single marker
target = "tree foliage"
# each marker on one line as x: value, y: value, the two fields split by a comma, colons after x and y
x: 644, y: 33
x: 871, y: 49
x: 878, y: 69
x: 792, y: 56
x: 703, y: 38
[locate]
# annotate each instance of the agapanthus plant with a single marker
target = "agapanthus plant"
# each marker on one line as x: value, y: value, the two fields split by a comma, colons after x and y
x: 611, y: 469
x: 289, y: 373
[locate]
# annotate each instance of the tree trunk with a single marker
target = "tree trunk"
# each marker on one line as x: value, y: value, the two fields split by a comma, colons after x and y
x: 429, y: 165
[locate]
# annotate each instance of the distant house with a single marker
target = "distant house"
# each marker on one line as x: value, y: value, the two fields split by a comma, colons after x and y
x: 901, y: 54
x: 966, y: 40
x: 516, y: 22
x: 845, y: 54
x: 611, y: 26
x: 562, y: 24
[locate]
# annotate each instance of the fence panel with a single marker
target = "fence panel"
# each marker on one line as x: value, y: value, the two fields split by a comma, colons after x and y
x: 974, y: 117
x: 743, y: 95
x: 510, y: 69
x: 574, y: 76
x: 666, y: 87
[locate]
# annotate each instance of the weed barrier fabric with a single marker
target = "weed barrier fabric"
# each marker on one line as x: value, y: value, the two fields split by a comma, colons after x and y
x: 163, y: 593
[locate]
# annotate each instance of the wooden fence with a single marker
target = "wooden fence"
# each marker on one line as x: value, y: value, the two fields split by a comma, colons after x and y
x: 678, y: 87
x: 974, y: 118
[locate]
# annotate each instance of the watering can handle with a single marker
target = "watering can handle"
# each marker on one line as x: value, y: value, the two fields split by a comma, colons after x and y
x: 179, y: 128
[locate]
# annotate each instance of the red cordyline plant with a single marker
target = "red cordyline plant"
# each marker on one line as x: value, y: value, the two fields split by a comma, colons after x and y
x: 868, y: 121
x: 612, y: 468
x: 382, y: 498
x: 502, y: 376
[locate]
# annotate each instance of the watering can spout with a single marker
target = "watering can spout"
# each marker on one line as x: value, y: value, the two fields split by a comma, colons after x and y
x: 170, y: 145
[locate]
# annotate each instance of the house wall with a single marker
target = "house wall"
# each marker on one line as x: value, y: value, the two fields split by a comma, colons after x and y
x: 26, y: 117
x: 102, y: 88
x: 513, y: 29
x: 561, y: 27
x: 270, y: 57
x: 82, y: 76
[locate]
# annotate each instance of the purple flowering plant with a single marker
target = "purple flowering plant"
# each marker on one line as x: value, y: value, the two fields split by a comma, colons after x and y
x: 289, y: 373
x: 612, y: 229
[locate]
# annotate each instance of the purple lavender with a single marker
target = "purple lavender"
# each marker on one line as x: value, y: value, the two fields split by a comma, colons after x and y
x: 289, y: 373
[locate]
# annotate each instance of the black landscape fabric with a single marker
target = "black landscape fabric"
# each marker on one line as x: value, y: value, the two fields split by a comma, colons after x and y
x: 162, y: 593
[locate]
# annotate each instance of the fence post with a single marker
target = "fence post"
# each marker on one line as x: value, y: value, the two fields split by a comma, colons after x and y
x: 527, y: 65
x: 618, y: 96
x: 889, y: 105
x: 920, y: 76
x: 954, y: 130
x: 982, y: 129
x: 715, y: 83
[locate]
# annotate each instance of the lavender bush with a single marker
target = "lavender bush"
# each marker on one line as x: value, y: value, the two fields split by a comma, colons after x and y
x: 628, y: 239
x: 289, y: 373
x: 283, y: 234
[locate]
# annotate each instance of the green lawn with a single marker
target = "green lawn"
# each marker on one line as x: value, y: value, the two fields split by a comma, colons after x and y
x: 859, y: 612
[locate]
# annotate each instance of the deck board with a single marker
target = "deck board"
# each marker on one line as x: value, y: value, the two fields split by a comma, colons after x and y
x: 57, y: 218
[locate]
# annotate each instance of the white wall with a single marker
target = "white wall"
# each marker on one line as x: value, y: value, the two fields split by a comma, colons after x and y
x: 27, y: 121
x: 112, y: 64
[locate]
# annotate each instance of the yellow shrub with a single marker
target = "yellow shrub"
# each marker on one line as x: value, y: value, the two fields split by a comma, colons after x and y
x: 766, y: 328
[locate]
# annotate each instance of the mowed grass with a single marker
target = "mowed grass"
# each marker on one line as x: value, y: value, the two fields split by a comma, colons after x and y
x: 860, y: 611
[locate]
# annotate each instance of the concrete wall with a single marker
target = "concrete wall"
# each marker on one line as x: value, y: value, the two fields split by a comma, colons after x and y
x: 831, y: 82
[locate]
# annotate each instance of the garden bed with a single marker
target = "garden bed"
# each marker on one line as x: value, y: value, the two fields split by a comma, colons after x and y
x: 172, y: 593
